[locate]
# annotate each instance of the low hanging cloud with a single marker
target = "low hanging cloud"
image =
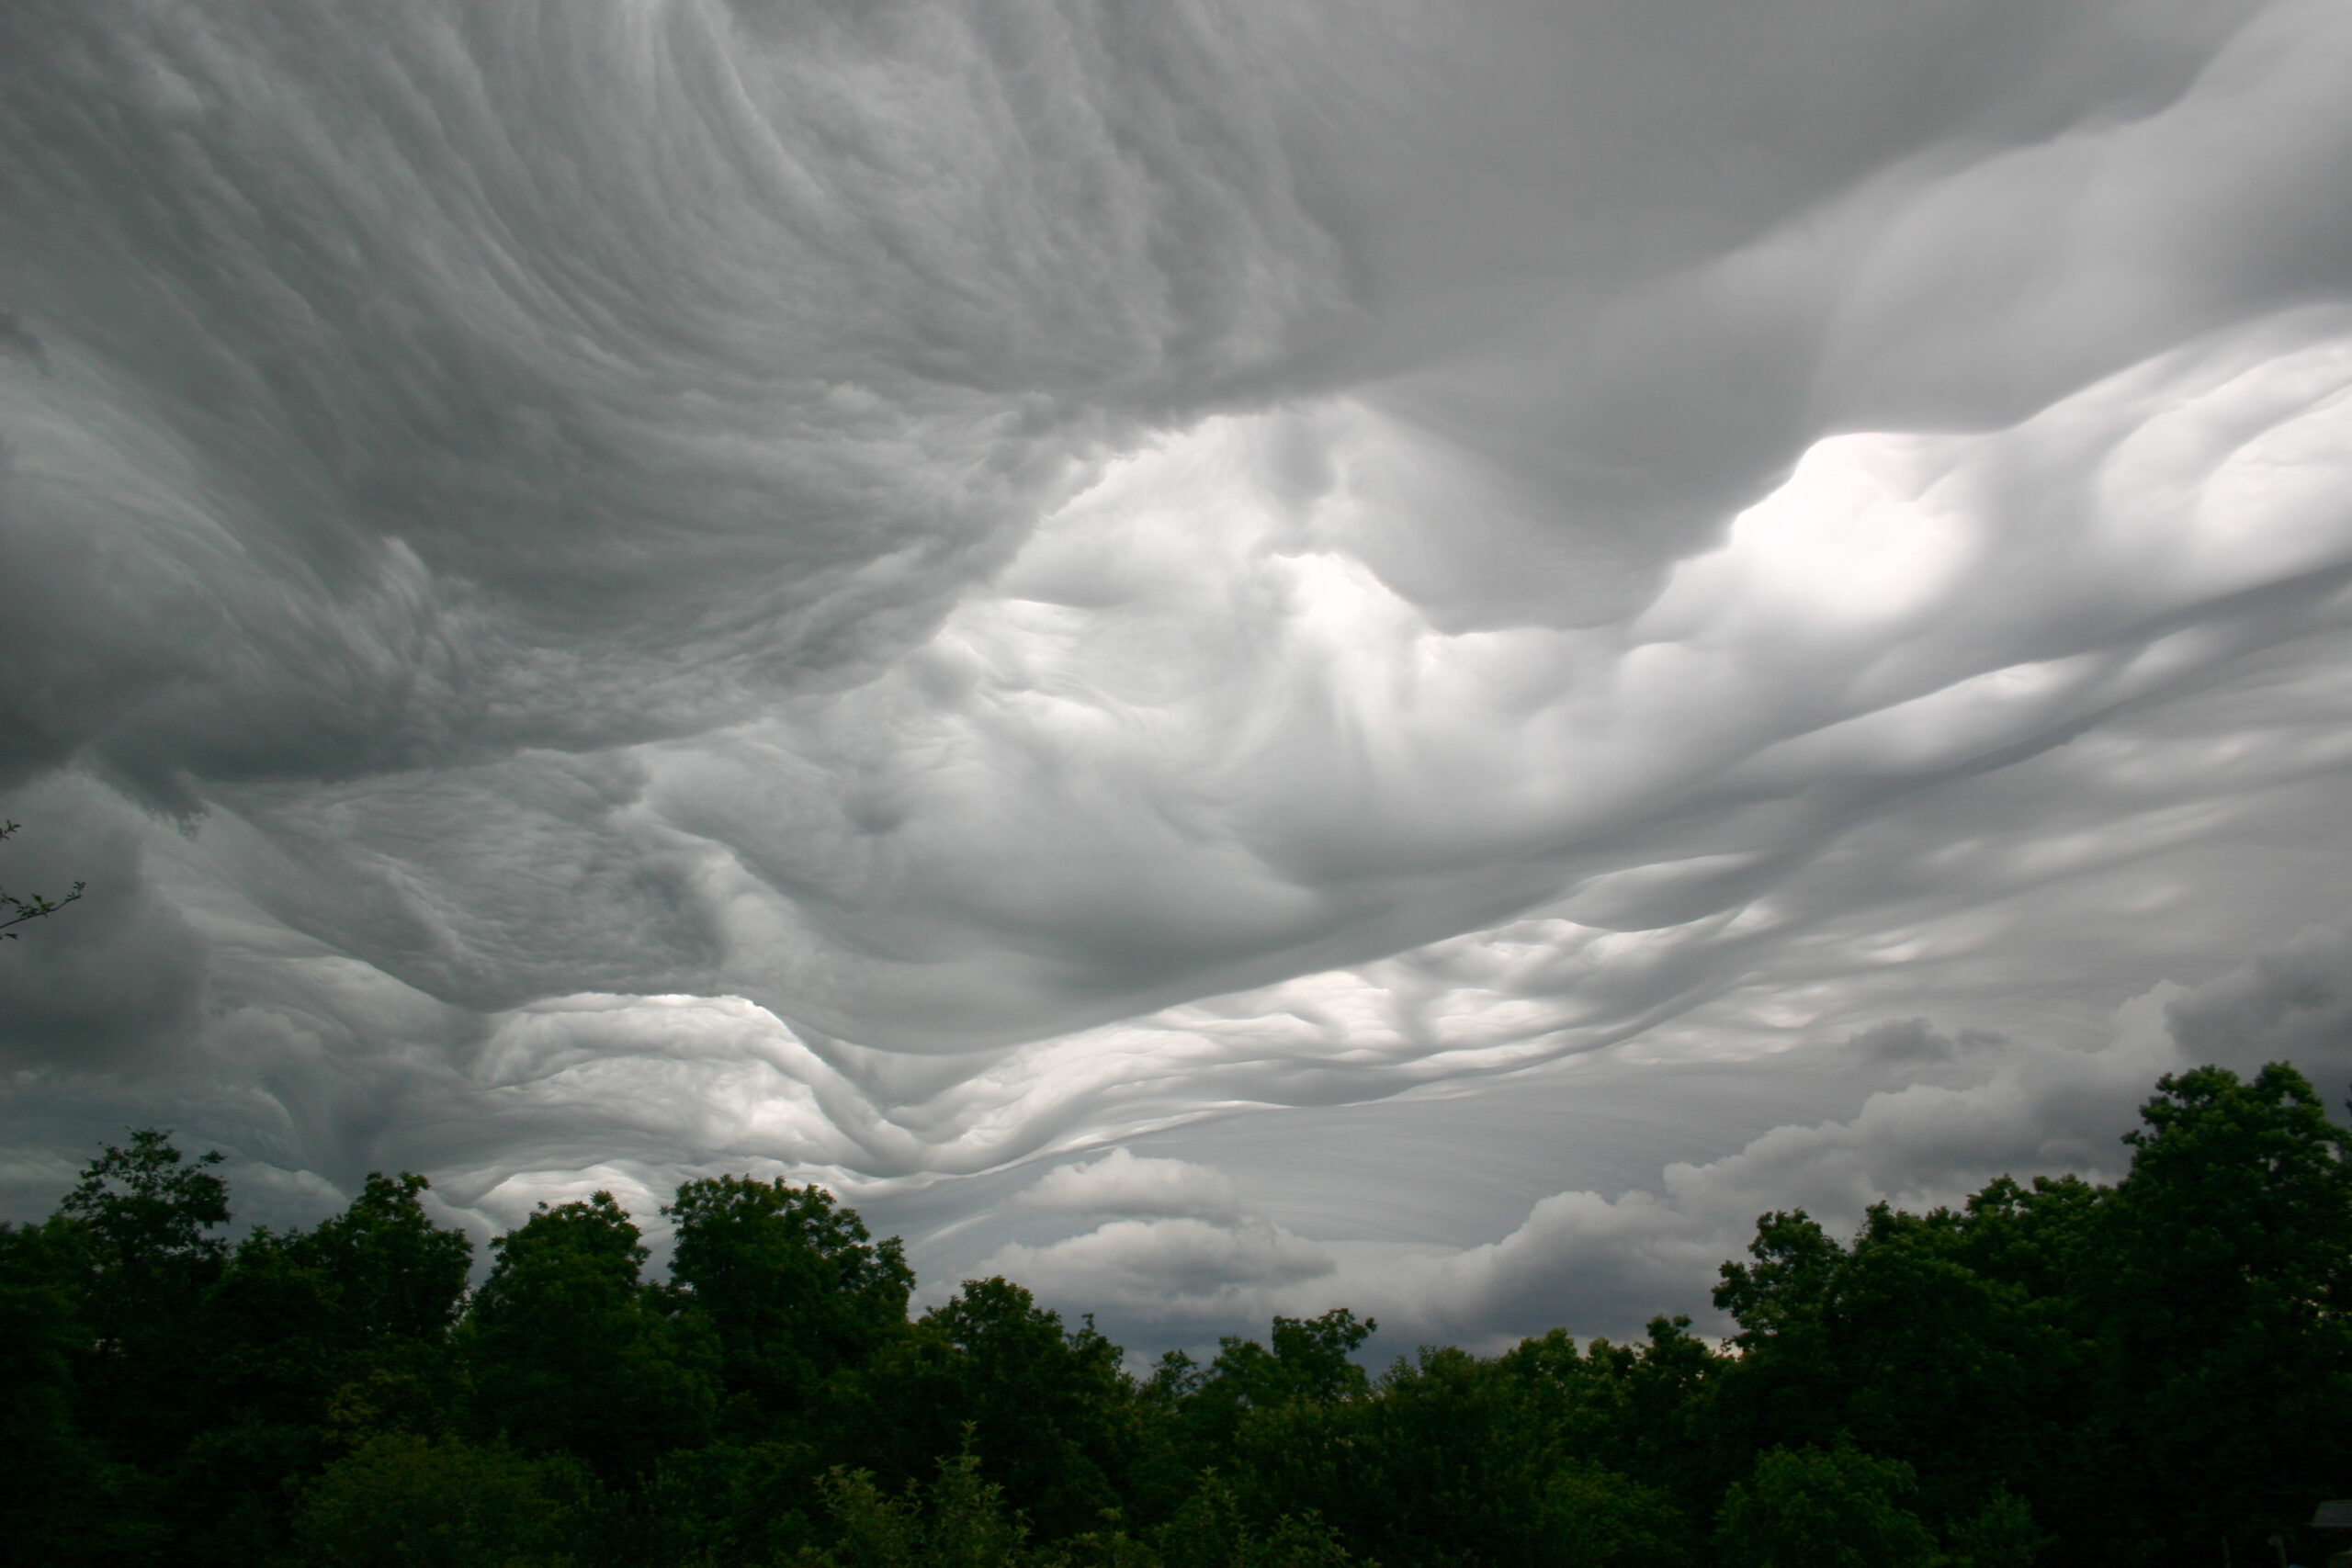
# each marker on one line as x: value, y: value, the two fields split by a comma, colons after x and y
x: 1605, y: 1264
x: 882, y: 593
x: 1916, y: 1040
x: 2293, y: 1004
x: 1122, y: 1183
x: 1173, y: 1268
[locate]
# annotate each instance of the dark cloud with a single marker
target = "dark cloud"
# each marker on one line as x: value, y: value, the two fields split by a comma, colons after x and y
x: 515, y: 380
x: 2293, y: 1004
x: 114, y: 981
x: 1914, y: 1040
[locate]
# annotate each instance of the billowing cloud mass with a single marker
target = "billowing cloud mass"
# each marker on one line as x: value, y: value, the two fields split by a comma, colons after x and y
x: 1229, y: 655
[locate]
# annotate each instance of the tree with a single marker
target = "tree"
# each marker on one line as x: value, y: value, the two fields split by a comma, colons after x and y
x: 1912, y: 1343
x: 1591, y: 1517
x: 958, y: 1520
x: 1647, y: 1410
x: 2222, y: 1279
x: 311, y: 1340
x: 1046, y: 1410
x: 1311, y: 1363
x: 1214, y: 1531
x: 571, y: 1352
x: 15, y: 911
x: 354, y: 1315
x: 141, y: 1217
x: 403, y: 1501
x: 792, y: 1287
x: 399, y: 1279
x: 145, y: 1214
x: 59, y: 1500
x: 1812, y: 1508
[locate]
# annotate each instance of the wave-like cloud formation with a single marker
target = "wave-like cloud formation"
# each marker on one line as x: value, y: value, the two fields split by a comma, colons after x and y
x: 1609, y: 1263
x: 892, y: 589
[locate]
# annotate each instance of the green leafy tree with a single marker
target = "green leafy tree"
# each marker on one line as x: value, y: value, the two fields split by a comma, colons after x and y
x: 1955, y: 1341
x: 1048, y: 1410
x: 61, y: 1500
x: 1816, y: 1509
x: 1312, y: 1360
x: 1293, y: 1426
x: 399, y: 1279
x: 310, y: 1339
x: 1448, y: 1457
x: 1649, y: 1410
x: 1441, y: 1451
x: 403, y: 1501
x: 571, y: 1352
x: 1215, y: 1530
x: 732, y: 1502
x: 2001, y: 1534
x: 792, y: 1287
x: 958, y: 1520
x: 1904, y: 1343
x: 142, y: 1219
x: 1592, y: 1517
x: 2224, y: 1286
x: 1311, y: 1363
x: 368, y: 1296
x: 148, y: 1212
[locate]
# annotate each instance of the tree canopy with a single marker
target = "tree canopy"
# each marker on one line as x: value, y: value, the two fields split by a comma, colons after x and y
x: 2051, y: 1371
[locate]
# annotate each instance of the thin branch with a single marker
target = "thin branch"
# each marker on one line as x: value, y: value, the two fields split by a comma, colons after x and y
x: 20, y: 910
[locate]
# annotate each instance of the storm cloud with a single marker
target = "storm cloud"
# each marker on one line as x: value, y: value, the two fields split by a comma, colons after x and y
x: 1057, y: 615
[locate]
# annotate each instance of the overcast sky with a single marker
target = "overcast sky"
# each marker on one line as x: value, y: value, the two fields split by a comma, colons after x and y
x: 1226, y: 655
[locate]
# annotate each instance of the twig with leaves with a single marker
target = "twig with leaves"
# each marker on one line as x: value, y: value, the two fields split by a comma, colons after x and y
x: 15, y: 911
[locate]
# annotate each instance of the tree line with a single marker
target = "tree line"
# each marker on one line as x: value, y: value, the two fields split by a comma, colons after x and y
x: 2154, y: 1372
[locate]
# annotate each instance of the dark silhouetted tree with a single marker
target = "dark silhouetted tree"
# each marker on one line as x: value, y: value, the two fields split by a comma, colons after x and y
x: 793, y: 1289
x: 571, y: 1352
x: 1811, y: 1508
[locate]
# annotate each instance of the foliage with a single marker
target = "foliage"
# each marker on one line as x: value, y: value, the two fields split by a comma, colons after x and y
x: 139, y: 1223
x: 1214, y: 1531
x: 2223, y: 1290
x: 2049, y: 1371
x: 403, y: 1501
x: 794, y: 1292
x: 1046, y: 1408
x: 1814, y: 1509
x: 570, y: 1351
x: 959, y: 1520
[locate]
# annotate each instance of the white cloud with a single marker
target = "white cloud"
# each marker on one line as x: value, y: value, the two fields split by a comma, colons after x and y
x: 1122, y: 1183
x: 1602, y: 1264
x: 1178, y: 1269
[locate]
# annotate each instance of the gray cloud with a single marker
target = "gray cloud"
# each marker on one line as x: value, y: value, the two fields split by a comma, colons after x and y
x: 113, y: 981
x: 1604, y: 1263
x: 2293, y: 1004
x: 1121, y: 1183
x: 1916, y: 1040
x: 889, y: 592
x: 480, y: 382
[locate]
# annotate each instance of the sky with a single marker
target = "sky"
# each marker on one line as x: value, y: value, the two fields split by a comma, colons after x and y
x: 1230, y: 656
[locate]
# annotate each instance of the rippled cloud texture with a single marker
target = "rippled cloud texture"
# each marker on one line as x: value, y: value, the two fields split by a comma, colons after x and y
x: 1230, y: 656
